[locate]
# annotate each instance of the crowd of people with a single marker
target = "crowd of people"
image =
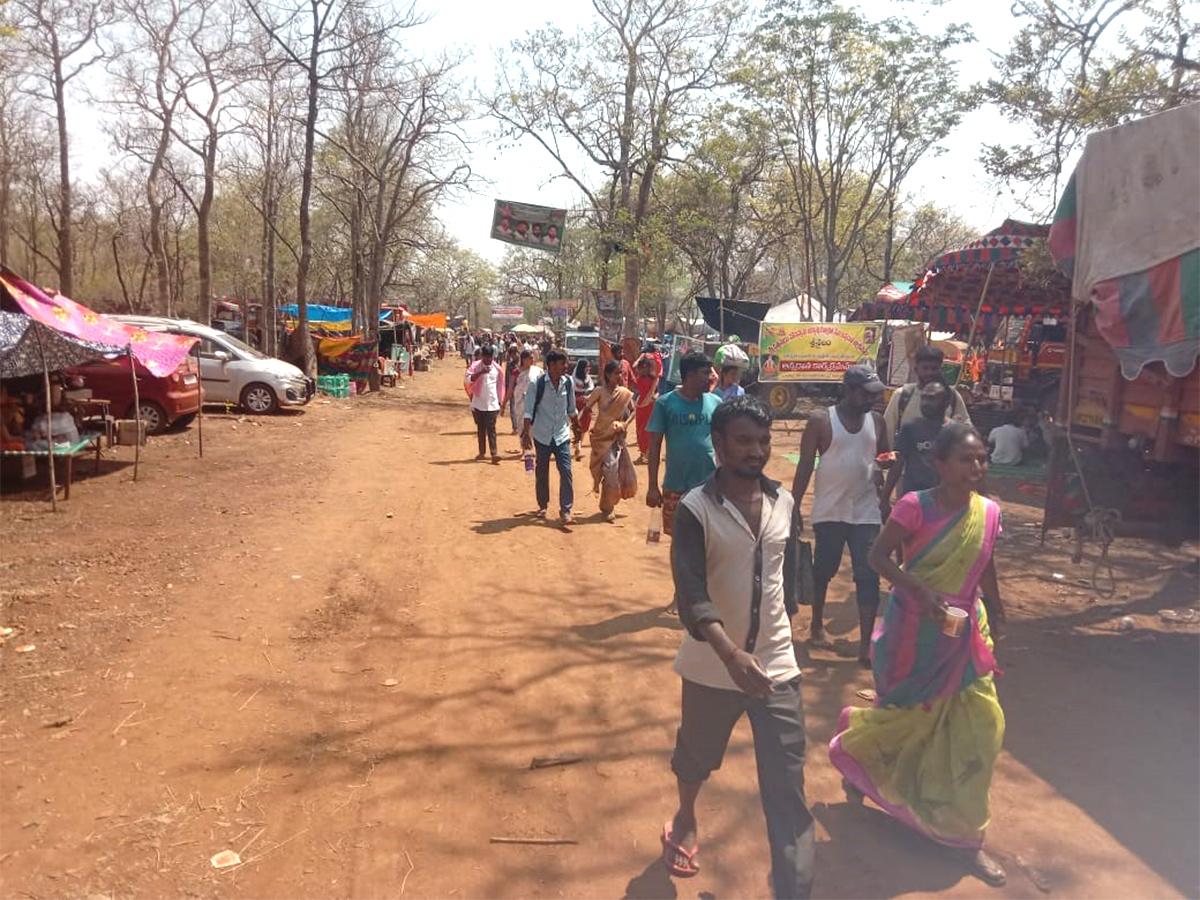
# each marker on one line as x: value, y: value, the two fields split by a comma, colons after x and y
x: 903, y: 489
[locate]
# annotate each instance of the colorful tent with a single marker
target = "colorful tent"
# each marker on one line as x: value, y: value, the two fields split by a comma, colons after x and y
x: 429, y: 320
x: 894, y: 292
x: 27, y: 347
x: 325, y: 321
x: 942, y: 318
x: 160, y: 353
x: 353, y: 356
x: 958, y: 278
x: 1128, y: 232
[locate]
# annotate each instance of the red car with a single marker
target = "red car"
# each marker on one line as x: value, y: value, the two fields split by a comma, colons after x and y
x: 164, y: 401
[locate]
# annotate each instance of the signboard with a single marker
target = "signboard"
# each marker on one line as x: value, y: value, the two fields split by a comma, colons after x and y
x: 681, y: 346
x: 508, y: 313
x: 525, y: 225
x: 906, y: 340
x: 816, y: 351
x: 608, y: 303
x: 609, y: 316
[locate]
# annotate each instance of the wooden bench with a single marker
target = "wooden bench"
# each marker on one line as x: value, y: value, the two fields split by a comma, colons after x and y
x: 86, y: 442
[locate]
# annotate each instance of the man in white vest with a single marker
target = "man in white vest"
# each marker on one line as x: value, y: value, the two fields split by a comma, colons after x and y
x: 848, y: 502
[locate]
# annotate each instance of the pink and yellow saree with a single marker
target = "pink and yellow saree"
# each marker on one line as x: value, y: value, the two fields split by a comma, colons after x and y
x: 926, y: 752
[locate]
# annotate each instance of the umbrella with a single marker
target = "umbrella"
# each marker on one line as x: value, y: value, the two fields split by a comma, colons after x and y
x: 28, y: 347
x: 526, y: 329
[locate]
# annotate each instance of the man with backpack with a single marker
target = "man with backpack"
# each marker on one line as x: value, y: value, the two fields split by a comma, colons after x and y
x: 905, y: 405
x: 550, y: 420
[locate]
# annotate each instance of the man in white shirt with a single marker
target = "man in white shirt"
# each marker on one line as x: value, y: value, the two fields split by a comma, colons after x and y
x: 485, y: 383
x: 727, y: 559
x: 905, y: 404
x: 1008, y: 443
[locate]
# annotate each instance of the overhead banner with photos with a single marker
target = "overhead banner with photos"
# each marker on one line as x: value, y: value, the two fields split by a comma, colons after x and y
x: 508, y: 313
x: 539, y: 227
x: 814, y: 351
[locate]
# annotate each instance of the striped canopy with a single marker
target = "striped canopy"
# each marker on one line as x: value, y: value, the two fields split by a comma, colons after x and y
x: 957, y: 278
x: 942, y: 318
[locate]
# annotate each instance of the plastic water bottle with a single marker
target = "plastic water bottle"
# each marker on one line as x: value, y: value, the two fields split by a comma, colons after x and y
x: 654, y: 529
x: 529, y: 462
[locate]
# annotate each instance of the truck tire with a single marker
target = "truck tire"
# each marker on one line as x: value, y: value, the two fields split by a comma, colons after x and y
x: 780, y: 398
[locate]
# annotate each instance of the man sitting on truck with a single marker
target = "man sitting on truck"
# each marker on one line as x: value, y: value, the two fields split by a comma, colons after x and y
x: 901, y: 409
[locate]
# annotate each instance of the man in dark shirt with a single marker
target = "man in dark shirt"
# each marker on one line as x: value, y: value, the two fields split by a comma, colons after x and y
x: 913, y: 468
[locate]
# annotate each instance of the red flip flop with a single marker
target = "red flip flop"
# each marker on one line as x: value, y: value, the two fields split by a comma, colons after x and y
x: 673, y: 867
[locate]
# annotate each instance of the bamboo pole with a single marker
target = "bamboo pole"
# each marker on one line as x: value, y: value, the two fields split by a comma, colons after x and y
x: 137, y: 415
x: 36, y: 326
x: 975, y: 323
x: 200, y: 416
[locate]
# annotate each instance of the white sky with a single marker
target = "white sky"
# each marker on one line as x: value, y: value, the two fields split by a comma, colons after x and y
x: 954, y: 179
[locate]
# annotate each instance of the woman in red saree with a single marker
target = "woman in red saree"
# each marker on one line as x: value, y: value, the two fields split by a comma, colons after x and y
x: 646, y: 381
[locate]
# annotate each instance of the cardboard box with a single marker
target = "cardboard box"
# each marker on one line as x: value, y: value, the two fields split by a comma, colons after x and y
x: 127, y: 432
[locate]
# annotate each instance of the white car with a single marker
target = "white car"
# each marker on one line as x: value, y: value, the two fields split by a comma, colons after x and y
x: 234, y: 372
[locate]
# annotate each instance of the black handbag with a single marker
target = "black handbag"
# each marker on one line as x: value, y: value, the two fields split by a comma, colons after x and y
x: 798, y: 583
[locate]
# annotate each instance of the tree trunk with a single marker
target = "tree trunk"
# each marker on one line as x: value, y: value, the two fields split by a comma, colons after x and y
x: 203, y: 215
x: 831, y: 288
x: 66, y: 281
x: 889, y: 238
x: 633, y: 291
x: 158, y: 250
x: 119, y: 272
x: 268, y: 323
x: 300, y: 346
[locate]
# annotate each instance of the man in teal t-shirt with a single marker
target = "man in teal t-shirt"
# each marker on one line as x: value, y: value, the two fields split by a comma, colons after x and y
x: 684, y: 418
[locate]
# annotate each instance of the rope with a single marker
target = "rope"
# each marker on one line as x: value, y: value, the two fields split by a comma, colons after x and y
x: 1099, y: 522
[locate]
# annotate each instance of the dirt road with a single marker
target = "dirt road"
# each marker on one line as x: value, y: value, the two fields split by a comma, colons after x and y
x: 335, y: 643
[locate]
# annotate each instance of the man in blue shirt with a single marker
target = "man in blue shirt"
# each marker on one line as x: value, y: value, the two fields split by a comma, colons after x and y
x: 550, y: 419
x: 683, y: 418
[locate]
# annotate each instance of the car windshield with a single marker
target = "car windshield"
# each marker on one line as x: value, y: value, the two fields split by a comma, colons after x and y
x: 243, y: 347
x: 583, y: 342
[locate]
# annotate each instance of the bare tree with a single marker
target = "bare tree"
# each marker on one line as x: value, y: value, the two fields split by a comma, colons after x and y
x: 310, y: 34
x: 266, y: 161
x: 395, y: 153
x: 149, y: 94
x: 60, y: 40
x: 855, y: 105
x: 207, y: 69
x: 616, y: 97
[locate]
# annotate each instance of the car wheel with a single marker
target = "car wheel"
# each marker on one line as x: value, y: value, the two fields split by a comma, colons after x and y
x: 259, y: 399
x: 780, y: 399
x: 154, y: 416
x: 183, y: 422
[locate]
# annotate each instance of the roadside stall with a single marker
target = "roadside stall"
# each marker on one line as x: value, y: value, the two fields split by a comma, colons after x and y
x: 29, y: 348
x: 1128, y: 458
x: 1003, y: 296
x: 157, y: 353
x: 339, y: 351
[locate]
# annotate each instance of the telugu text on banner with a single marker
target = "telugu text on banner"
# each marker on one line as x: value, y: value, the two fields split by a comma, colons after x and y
x: 815, y: 351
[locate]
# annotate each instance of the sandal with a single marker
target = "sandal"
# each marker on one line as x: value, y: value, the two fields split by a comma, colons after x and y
x: 853, y: 795
x: 671, y: 849
x: 984, y: 867
x: 821, y: 643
